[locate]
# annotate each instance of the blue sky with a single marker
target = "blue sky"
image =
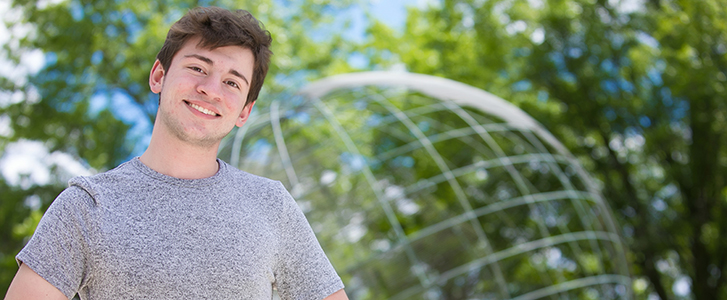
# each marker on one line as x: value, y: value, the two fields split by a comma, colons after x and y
x: 392, y: 13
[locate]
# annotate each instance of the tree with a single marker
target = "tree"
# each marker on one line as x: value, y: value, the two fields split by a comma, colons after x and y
x: 636, y: 92
x: 693, y: 48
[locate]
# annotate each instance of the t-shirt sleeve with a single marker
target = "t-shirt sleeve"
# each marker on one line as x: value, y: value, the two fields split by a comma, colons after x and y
x: 303, y: 271
x: 58, y: 250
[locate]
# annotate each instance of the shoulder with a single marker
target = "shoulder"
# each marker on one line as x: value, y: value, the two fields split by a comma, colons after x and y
x: 72, y: 199
x: 71, y: 208
x: 252, y: 183
x: 267, y: 192
x: 96, y: 185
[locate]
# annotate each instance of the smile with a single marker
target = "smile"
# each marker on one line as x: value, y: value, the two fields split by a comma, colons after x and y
x: 202, y: 109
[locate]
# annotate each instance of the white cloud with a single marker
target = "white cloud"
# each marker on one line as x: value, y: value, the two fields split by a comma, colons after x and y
x: 355, y: 229
x: 682, y: 286
x: 328, y: 177
x: 407, y: 206
x: 5, y: 129
x: 28, y: 163
x: 537, y: 4
x: 516, y: 27
x: 31, y: 61
x: 425, y: 4
x: 4, y: 33
x: 538, y: 36
x: 9, y: 98
x: 647, y: 39
x: 43, y: 4
x: 628, y: 6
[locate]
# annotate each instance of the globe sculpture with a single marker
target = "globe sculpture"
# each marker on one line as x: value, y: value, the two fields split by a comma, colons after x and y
x: 420, y: 187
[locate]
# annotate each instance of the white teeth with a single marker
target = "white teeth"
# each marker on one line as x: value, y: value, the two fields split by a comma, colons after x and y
x: 202, y: 109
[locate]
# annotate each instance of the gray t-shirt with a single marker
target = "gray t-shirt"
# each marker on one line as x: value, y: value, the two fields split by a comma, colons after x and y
x: 133, y: 233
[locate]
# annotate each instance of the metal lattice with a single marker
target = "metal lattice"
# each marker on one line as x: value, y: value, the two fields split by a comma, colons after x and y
x: 420, y: 187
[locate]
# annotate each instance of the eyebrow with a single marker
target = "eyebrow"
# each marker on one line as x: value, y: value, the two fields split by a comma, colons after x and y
x: 210, y: 62
x: 233, y: 72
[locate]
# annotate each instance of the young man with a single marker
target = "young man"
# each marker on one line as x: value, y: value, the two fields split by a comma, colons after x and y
x: 177, y: 222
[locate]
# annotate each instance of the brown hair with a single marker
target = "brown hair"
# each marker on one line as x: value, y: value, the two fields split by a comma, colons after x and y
x: 219, y: 27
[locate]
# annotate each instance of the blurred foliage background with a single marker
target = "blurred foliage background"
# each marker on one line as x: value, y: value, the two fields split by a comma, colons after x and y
x: 634, y: 89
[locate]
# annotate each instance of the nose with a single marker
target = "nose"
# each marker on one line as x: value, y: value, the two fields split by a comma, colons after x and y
x: 210, y: 87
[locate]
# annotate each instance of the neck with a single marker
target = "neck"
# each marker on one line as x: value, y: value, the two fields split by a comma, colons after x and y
x: 179, y: 159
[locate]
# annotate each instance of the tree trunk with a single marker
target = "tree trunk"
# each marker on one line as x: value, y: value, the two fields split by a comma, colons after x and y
x: 701, y: 192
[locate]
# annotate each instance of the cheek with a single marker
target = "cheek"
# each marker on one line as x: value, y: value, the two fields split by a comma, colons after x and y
x: 235, y: 102
x: 181, y: 82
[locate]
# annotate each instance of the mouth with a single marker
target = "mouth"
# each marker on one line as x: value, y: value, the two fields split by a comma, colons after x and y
x: 202, y: 109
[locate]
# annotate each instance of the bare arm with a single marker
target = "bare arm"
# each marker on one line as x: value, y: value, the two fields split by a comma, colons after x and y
x: 29, y: 285
x: 340, y: 295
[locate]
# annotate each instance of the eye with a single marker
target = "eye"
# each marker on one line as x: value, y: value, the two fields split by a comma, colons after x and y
x: 196, y: 69
x: 233, y: 84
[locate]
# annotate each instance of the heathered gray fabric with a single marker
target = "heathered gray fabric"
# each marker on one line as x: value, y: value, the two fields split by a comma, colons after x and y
x: 133, y: 233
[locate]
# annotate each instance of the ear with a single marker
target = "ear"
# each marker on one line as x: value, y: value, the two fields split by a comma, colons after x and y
x: 156, y: 77
x: 244, y: 114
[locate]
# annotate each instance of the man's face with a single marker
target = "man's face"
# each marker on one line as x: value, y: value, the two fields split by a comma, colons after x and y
x: 203, y: 94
